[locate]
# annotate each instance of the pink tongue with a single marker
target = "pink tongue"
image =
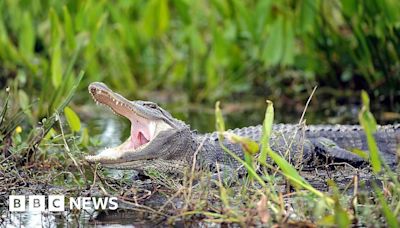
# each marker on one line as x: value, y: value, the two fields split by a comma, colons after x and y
x: 142, y: 139
x: 139, y: 134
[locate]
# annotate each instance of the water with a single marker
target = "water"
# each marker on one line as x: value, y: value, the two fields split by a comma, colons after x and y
x: 45, y: 219
x: 121, y: 218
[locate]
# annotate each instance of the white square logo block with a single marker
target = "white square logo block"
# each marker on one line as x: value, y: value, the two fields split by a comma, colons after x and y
x: 37, y: 203
x: 56, y: 203
x: 16, y: 203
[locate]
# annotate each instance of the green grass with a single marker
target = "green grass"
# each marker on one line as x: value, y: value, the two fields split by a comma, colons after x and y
x: 316, y: 207
x: 332, y: 208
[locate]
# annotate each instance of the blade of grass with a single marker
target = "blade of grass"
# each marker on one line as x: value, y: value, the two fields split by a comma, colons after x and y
x: 287, y: 169
x: 369, y: 125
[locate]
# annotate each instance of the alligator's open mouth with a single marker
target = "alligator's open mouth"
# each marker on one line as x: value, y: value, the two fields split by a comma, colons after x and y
x: 143, y: 130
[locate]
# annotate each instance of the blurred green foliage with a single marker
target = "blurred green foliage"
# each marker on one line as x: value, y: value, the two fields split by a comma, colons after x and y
x: 206, y: 49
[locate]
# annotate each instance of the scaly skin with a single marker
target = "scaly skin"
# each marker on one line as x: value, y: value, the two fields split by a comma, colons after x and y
x: 173, y: 145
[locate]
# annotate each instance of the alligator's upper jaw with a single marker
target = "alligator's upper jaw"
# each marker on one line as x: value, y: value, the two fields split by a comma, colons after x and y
x: 135, y: 143
x: 143, y: 130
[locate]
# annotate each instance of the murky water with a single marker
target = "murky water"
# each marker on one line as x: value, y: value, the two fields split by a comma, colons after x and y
x: 45, y: 219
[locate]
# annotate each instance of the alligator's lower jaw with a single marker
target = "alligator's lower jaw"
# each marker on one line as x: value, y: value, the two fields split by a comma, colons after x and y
x: 108, y: 161
x: 110, y: 155
x: 102, y: 159
x: 119, y: 154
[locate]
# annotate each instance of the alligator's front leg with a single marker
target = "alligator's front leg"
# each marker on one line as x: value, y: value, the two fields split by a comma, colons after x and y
x: 330, y: 149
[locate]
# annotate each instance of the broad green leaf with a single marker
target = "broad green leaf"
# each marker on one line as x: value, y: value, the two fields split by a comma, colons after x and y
x: 156, y: 17
x: 307, y: 15
x: 72, y: 119
x: 266, y: 132
x: 69, y: 29
x: 149, y: 19
x: 182, y: 7
x: 349, y: 7
x: 23, y: 100
x: 328, y: 220
x: 244, y: 18
x: 289, y: 47
x: 55, y: 29
x: 221, y: 6
x: 55, y: 47
x: 51, y: 133
x: 85, y: 138
x: 262, y: 12
x: 274, y: 48
x: 212, y: 78
x: 390, y: 10
x: 26, y: 40
x: 365, y: 52
x: 220, y: 45
x: 56, y: 66
x: 197, y: 43
x: 163, y: 20
x: 248, y: 145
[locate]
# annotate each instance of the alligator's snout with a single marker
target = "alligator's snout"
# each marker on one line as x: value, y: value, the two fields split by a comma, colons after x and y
x: 93, y: 90
x: 97, y: 88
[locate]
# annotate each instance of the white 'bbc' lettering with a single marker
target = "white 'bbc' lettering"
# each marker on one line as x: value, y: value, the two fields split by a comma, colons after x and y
x: 56, y: 203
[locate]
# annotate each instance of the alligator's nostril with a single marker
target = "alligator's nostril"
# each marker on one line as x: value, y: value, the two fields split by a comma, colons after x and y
x: 93, y: 90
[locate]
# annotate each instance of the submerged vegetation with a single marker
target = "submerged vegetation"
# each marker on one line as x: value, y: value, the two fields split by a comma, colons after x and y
x: 198, y: 52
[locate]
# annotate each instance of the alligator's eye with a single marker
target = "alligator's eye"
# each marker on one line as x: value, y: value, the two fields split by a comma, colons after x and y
x: 151, y: 105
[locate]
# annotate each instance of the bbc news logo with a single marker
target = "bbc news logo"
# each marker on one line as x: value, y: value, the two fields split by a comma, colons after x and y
x: 56, y: 203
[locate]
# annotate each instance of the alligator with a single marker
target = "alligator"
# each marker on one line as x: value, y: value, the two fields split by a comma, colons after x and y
x: 161, y: 142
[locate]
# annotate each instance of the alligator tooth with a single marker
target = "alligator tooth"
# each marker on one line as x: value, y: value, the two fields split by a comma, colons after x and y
x: 117, y: 103
x: 152, y: 129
